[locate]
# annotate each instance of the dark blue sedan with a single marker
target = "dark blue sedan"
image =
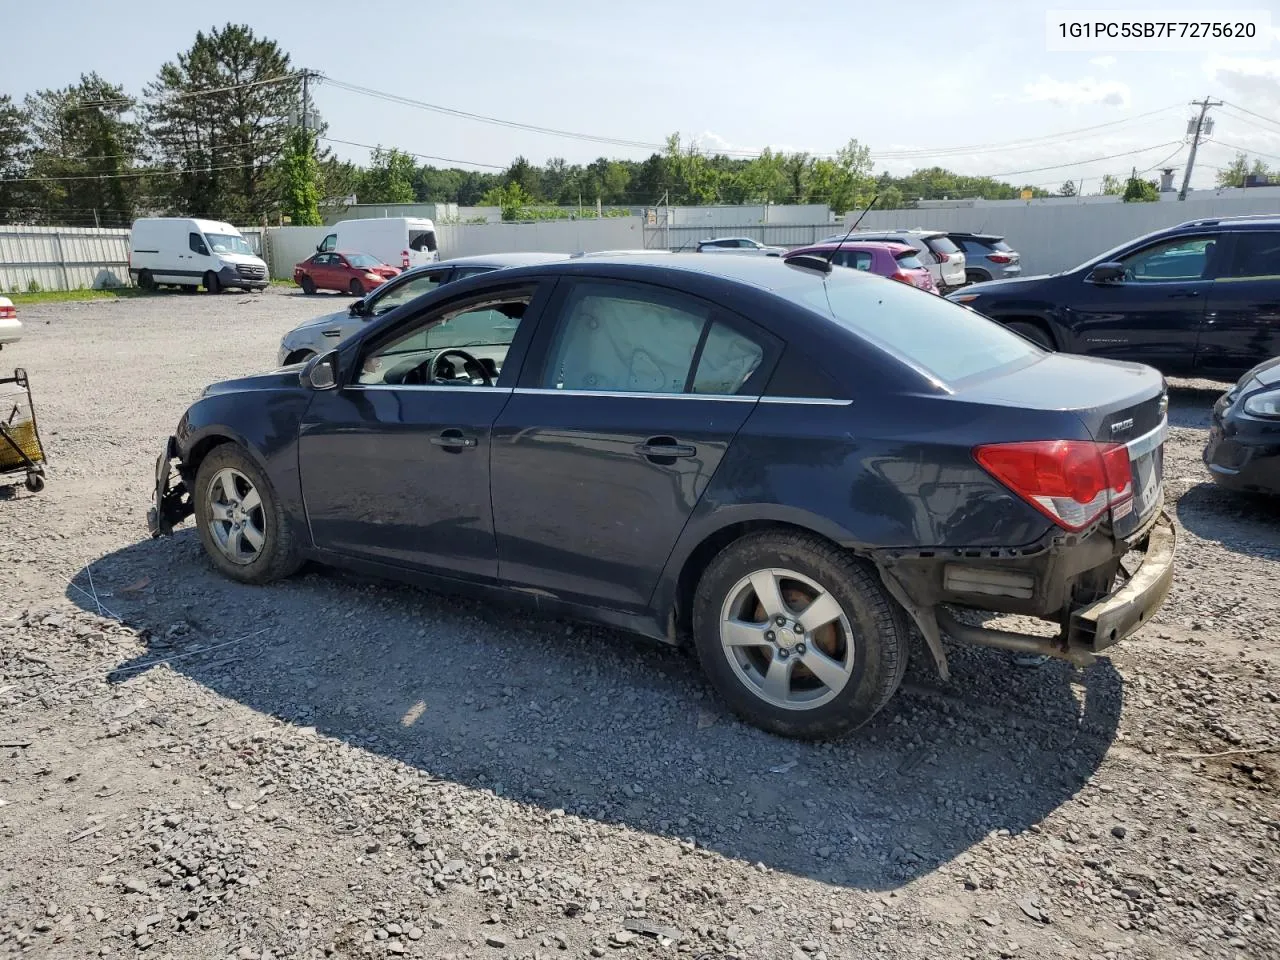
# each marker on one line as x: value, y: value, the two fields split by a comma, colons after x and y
x: 781, y: 463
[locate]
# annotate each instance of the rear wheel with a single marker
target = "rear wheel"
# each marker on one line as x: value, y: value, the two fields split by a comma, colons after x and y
x: 242, y: 525
x: 976, y: 276
x: 211, y: 282
x: 797, y: 635
x: 356, y: 287
x: 1033, y: 332
x: 146, y: 281
x: 308, y: 285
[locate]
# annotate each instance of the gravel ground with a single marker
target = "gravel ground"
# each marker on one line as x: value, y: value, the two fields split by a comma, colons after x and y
x: 334, y: 767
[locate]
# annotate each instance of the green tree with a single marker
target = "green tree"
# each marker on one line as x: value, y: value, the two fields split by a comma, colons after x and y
x: 84, y: 145
x: 1233, y: 174
x: 13, y: 158
x: 1137, y: 190
x: 218, y: 118
x: 1111, y: 186
x: 1068, y: 189
x: 388, y: 178
x: 300, y: 180
x: 526, y: 175
x: 512, y: 198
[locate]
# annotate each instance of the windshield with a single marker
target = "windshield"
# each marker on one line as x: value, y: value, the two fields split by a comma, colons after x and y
x: 363, y: 260
x: 947, y: 341
x: 228, y: 243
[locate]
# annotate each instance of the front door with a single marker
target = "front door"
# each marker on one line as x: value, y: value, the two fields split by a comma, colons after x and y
x: 1152, y: 315
x: 1242, y: 322
x: 395, y: 464
x: 626, y: 406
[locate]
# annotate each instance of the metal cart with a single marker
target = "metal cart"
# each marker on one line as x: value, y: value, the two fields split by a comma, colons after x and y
x: 20, y: 449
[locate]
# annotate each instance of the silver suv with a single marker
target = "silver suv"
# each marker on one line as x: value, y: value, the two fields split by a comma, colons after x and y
x: 943, y: 258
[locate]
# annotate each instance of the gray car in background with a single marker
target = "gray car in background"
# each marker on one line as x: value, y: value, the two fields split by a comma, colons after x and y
x: 316, y: 336
x: 987, y: 256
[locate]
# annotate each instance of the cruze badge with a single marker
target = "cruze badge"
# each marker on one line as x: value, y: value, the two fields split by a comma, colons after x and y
x: 1121, y: 425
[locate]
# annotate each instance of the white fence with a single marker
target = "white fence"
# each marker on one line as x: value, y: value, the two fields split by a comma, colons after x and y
x: 1058, y: 236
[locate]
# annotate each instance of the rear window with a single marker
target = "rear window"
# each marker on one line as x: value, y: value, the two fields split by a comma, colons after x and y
x: 908, y: 260
x: 942, y: 245
x: 947, y: 341
x: 422, y: 240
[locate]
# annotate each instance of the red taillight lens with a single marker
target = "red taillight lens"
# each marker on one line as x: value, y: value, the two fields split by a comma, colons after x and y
x: 901, y: 275
x: 941, y: 257
x: 8, y: 313
x: 404, y: 259
x: 1072, y: 482
x: 999, y: 258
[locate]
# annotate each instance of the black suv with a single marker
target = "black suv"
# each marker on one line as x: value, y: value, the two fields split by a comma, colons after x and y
x: 1200, y: 298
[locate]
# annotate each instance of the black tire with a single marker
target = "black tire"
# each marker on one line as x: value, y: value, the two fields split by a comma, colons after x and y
x: 189, y: 288
x: 1035, y: 333
x: 211, y: 282
x: 308, y: 285
x: 976, y: 276
x: 279, y: 556
x: 880, y: 642
x: 356, y: 287
x: 35, y: 482
x: 146, y: 281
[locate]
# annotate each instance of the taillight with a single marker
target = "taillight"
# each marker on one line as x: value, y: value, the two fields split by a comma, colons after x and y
x: 999, y: 258
x: 8, y: 313
x: 404, y: 259
x: 903, y: 276
x: 942, y: 257
x: 1072, y: 482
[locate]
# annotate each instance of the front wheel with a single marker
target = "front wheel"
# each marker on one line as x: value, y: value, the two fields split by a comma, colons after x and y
x: 798, y: 636
x: 211, y: 282
x: 1035, y: 333
x: 244, y: 528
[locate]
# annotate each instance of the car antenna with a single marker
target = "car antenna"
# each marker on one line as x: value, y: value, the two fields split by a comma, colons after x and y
x: 832, y: 252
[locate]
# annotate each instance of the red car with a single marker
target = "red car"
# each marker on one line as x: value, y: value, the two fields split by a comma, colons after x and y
x: 897, y: 261
x: 353, y: 273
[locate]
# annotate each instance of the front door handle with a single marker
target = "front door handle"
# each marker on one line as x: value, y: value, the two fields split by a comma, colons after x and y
x: 453, y: 440
x: 666, y: 448
x: 1184, y: 294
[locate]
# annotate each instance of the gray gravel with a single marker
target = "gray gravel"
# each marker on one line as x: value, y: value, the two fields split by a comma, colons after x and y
x: 337, y: 767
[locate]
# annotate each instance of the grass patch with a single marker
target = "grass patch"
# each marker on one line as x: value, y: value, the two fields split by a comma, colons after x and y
x: 63, y: 296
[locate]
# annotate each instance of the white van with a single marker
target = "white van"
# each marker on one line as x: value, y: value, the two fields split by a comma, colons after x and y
x: 402, y: 242
x: 182, y: 252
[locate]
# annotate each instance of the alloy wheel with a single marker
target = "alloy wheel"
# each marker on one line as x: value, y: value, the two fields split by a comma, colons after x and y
x: 236, y: 517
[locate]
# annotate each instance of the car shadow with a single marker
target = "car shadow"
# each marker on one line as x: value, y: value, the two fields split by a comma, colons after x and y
x: 619, y: 729
x: 1240, y: 522
x: 1191, y: 406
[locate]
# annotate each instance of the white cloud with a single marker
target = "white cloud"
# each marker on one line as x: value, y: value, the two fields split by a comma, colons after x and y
x: 1255, y: 80
x: 1104, y: 61
x: 1083, y: 92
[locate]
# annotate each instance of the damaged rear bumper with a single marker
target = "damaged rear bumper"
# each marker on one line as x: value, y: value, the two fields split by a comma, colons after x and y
x: 171, y: 500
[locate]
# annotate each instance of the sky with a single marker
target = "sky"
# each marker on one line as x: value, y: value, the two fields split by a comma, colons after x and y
x: 971, y: 86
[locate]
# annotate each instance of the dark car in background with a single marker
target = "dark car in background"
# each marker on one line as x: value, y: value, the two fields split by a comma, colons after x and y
x: 1243, y: 452
x: 987, y: 257
x: 1198, y: 299
x: 780, y: 463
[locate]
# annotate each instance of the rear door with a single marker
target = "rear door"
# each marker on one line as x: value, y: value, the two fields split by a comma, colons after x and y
x: 1242, y: 318
x: 628, y: 402
x: 1152, y: 315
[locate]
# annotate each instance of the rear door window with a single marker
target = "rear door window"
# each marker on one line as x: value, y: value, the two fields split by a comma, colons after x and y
x: 727, y: 361
x: 1257, y: 256
x: 946, y: 341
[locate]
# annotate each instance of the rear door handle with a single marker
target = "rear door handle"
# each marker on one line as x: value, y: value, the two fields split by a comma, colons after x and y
x: 1184, y: 294
x: 453, y: 439
x: 666, y: 447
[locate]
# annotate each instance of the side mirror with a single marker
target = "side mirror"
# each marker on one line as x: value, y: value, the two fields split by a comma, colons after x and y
x: 1107, y: 273
x: 358, y: 308
x: 321, y: 373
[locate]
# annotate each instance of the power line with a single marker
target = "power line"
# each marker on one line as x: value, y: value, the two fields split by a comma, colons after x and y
x: 1077, y: 163
x: 1236, y: 106
x: 421, y: 156
x: 1245, y: 150
x: 185, y: 94
x: 1176, y: 150
x: 150, y: 172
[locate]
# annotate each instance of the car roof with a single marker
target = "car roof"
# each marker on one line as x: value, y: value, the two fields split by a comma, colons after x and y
x: 1244, y: 221
x: 503, y: 260
x: 718, y: 239
x: 891, y: 245
x: 993, y: 237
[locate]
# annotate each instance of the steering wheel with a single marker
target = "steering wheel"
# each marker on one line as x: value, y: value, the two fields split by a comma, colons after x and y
x: 473, y: 367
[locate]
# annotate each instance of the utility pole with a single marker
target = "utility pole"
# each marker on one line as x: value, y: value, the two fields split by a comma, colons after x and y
x: 1199, y: 122
x: 306, y: 99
